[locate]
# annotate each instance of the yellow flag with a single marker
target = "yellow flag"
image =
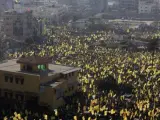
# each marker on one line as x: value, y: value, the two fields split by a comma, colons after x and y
x: 112, y: 111
x: 75, y: 117
x: 45, y: 117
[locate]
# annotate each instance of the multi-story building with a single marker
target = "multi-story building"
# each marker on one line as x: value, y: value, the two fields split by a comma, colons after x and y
x: 68, y: 2
x: 43, y: 2
x: 145, y: 6
x: 19, y: 24
x: 51, y: 14
x: 5, y: 5
x: 37, y: 79
x: 149, y: 6
x: 99, y: 6
x: 128, y: 4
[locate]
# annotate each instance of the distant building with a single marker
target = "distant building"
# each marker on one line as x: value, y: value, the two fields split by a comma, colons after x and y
x: 6, y: 5
x: 19, y: 24
x: 128, y: 5
x: 98, y: 6
x: 51, y: 14
x: 36, y: 79
x: 68, y: 2
x: 43, y: 2
x: 148, y: 7
x: 79, y: 24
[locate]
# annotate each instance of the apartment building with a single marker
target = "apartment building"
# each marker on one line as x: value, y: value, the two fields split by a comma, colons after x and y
x: 5, y: 5
x: 68, y: 2
x: 98, y: 6
x: 128, y: 4
x: 148, y: 6
x: 19, y: 24
x: 35, y: 78
x: 51, y: 14
x: 145, y: 6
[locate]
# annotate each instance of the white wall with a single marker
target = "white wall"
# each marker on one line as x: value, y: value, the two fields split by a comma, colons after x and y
x: 145, y: 7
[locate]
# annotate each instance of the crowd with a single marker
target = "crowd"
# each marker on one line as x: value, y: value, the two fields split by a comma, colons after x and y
x: 98, y: 63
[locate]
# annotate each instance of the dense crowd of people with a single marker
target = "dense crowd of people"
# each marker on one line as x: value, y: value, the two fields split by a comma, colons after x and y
x: 139, y: 70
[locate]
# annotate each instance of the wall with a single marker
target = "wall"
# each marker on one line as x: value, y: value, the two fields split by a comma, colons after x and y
x: 145, y: 7
x: 46, y: 96
x: 31, y: 82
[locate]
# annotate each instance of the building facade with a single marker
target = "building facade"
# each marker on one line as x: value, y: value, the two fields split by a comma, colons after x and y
x: 19, y: 24
x: 68, y: 2
x: 128, y: 4
x: 34, y: 78
x: 149, y: 6
x: 145, y: 6
x: 52, y: 15
x: 6, y: 5
x: 98, y: 6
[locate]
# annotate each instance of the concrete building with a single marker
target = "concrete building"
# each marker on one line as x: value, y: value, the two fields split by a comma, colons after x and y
x: 145, y: 6
x: 35, y: 78
x: 6, y: 5
x: 51, y: 14
x: 98, y: 6
x: 128, y: 4
x: 19, y: 24
x: 68, y: 2
x: 43, y: 2
x: 79, y: 24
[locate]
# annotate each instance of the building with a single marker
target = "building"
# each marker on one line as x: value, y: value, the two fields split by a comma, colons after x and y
x: 43, y: 2
x: 98, y: 6
x: 79, y: 24
x: 19, y: 24
x: 68, y: 2
x: 37, y: 79
x: 149, y: 7
x: 6, y: 5
x: 131, y: 5
x: 145, y: 6
x: 52, y: 14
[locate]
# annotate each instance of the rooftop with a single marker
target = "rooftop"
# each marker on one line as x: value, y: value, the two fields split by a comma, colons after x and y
x: 12, y: 66
x: 34, y: 60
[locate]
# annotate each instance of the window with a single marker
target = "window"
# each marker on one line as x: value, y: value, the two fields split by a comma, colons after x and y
x: 72, y: 73
x: 23, y: 67
x: 59, y: 93
x: 6, y: 78
x: 22, y: 81
x: 69, y: 89
x: 65, y: 75
x: 16, y: 96
x: 65, y: 91
x: 29, y: 68
x: 10, y: 95
x: 17, y: 79
x: 72, y: 87
x: 41, y: 89
x: 5, y: 94
x: 18, y: 28
x: 22, y: 97
x: 55, y: 91
x: 11, y: 79
x: 69, y: 74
